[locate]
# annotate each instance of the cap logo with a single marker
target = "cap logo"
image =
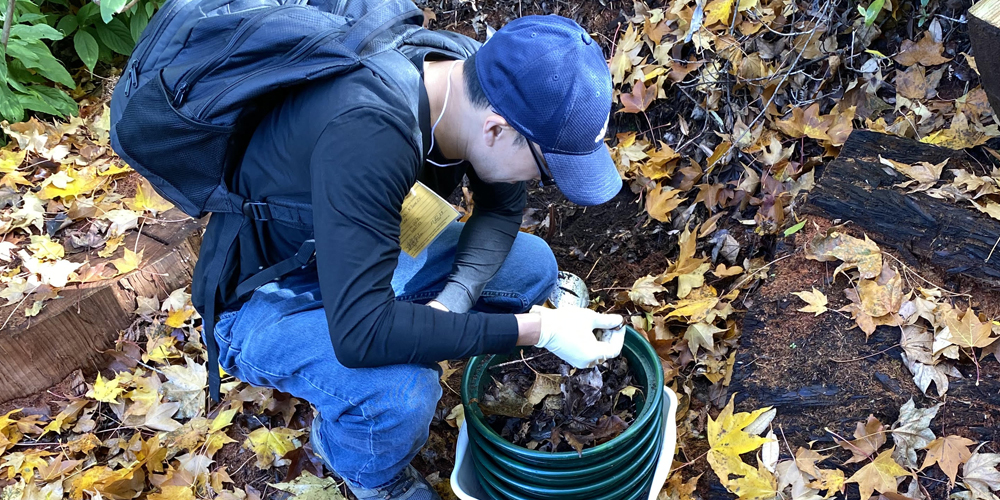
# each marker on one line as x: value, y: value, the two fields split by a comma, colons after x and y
x: 604, y: 129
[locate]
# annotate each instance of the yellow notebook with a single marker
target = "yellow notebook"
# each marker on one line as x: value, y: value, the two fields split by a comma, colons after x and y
x: 425, y: 215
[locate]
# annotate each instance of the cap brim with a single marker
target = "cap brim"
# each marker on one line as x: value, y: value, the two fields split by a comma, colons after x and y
x: 588, y: 179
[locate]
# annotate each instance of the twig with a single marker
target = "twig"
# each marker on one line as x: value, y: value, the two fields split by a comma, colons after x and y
x: 522, y: 360
x: 864, y: 357
x: 6, y: 23
x: 992, y: 250
x: 593, y: 267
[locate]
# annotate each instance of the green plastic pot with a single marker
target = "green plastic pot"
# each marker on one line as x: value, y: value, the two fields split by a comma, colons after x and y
x: 533, y: 483
x: 615, y: 469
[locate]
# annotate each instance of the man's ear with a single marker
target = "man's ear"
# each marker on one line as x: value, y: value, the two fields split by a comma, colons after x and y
x: 493, y: 127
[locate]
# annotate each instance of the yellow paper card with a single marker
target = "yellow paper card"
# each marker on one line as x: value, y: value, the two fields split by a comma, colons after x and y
x: 425, y: 215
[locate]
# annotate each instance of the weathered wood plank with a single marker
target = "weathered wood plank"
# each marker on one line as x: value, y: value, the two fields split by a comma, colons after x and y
x: 71, y: 331
x: 984, y: 33
x: 858, y: 188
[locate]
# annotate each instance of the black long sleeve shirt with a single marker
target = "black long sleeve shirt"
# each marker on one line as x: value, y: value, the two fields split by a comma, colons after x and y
x: 345, y: 146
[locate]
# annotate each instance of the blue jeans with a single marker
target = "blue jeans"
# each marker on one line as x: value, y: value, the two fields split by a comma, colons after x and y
x: 374, y: 420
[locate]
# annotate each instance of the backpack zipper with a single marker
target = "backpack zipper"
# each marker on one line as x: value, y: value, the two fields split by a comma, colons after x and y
x: 190, y: 76
x: 161, y: 21
x: 293, y: 58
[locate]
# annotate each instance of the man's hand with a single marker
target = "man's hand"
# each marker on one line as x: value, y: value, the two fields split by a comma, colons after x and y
x: 569, y: 334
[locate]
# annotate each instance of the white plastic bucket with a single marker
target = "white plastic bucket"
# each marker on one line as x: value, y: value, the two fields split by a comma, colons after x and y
x: 465, y: 484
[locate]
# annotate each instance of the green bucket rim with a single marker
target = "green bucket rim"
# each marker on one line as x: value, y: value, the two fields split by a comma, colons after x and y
x: 613, y: 481
x: 635, y: 343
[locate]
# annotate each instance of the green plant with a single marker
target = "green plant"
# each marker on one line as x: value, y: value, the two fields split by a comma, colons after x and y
x: 871, y: 12
x: 36, y: 28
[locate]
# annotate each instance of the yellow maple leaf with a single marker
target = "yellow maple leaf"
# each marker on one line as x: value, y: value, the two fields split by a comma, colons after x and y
x: 111, y: 246
x: 660, y: 201
x: 24, y: 463
x: 718, y: 11
x: 80, y: 182
x: 727, y: 435
x: 863, y: 254
x: 177, y: 318
x: 160, y: 349
x: 173, y: 493
x: 129, y: 262
x: 816, y: 300
x: 66, y: 417
x: 272, y: 444
x: 147, y: 199
x: 43, y: 248
x: 879, y: 475
x: 106, y: 391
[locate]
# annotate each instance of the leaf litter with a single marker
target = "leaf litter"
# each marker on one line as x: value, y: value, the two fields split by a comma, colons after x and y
x: 543, y: 403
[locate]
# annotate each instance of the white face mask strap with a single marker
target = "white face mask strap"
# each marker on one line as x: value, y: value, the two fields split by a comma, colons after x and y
x: 447, y: 93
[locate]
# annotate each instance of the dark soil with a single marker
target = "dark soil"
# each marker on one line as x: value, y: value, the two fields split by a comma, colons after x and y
x: 824, y: 376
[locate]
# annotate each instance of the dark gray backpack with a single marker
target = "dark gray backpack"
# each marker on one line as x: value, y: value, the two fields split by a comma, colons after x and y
x: 202, y: 74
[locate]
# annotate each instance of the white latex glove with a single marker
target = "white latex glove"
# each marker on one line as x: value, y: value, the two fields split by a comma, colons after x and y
x: 569, y: 334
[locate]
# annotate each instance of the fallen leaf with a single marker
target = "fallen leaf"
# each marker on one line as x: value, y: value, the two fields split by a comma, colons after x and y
x: 271, y: 445
x: 106, y: 391
x: 980, y: 474
x: 129, y: 262
x: 660, y: 201
x: 639, y: 99
x: 643, y: 291
x: 911, y: 432
x: 147, y: 199
x: 310, y: 487
x: 868, y: 438
x: 701, y: 335
x: 544, y: 385
x: 815, y: 299
x: 913, y: 84
x: 926, y: 52
x: 880, y: 475
x: 969, y: 332
x: 924, y: 173
x: 948, y: 452
x: 865, y: 255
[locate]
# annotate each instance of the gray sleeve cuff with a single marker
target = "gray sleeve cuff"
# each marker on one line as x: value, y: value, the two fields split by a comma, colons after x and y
x: 456, y: 297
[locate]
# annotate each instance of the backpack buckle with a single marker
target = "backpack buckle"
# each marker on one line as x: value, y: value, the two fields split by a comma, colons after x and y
x: 257, y: 210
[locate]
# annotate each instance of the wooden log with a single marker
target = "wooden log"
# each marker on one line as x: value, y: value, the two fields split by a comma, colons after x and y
x: 856, y: 187
x: 71, y: 331
x: 984, y: 33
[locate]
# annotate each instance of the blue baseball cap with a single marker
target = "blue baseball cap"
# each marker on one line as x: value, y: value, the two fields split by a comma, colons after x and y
x: 548, y: 78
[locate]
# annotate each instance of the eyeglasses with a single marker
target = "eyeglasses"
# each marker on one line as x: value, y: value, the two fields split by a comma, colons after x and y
x: 544, y: 174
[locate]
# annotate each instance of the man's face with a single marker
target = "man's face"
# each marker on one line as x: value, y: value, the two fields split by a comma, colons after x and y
x: 499, y: 157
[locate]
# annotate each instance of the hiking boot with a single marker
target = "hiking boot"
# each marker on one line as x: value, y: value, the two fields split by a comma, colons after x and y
x: 408, y: 485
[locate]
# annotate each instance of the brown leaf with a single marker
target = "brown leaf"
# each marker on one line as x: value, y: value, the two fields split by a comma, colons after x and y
x: 969, y: 332
x: 869, y: 437
x: 544, y: 385
x: 926, y: 52
x: 948, y: 452
x: 660, y: 201
x: 643, y: 291
x: 863, y: 254
x: 913, y: 83
x: 640, y: 98
x: 880, y: 475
